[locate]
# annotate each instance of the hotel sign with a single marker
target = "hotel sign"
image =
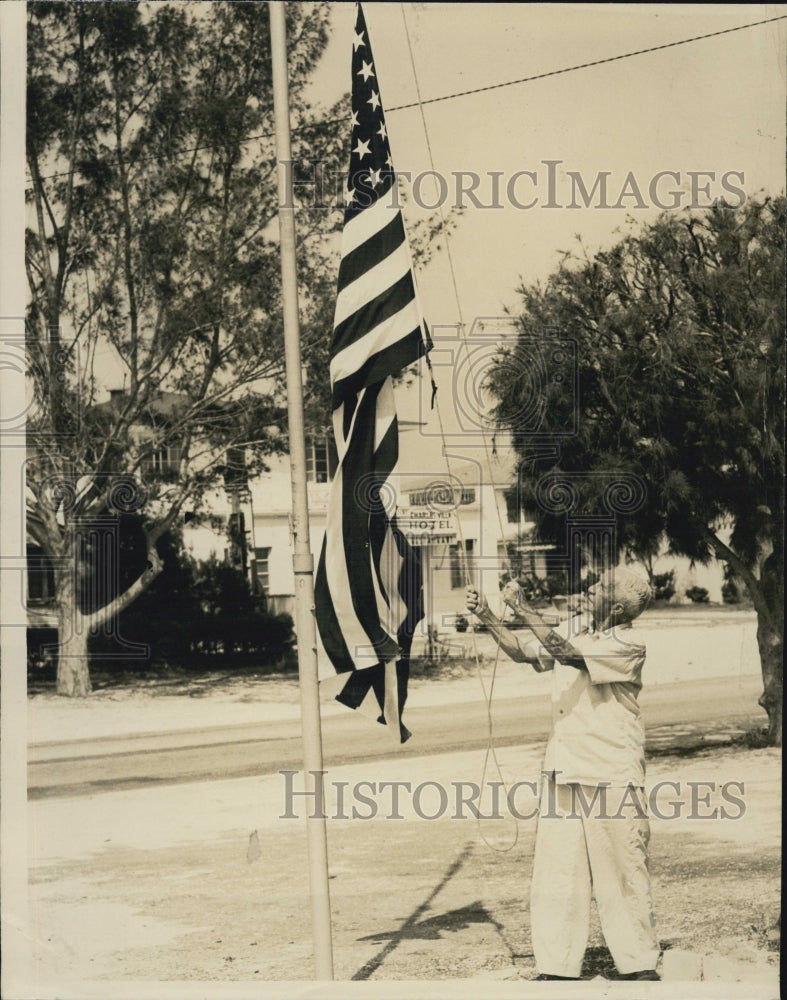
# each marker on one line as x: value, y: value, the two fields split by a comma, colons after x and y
x: 425, y: 526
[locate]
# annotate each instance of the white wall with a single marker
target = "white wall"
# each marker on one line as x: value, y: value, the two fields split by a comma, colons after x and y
x: 711, y: 577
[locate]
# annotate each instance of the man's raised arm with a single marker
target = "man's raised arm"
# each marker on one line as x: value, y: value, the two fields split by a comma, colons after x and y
x: 554, y: 643
x: 505, y: 639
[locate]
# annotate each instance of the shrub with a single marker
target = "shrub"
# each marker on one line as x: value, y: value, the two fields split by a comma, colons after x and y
x: 664, y: 585
x: 161, y: 618
x: 698, y: 594
x: 41, y: 654
x: 199, y: 616
x: 555, y: 583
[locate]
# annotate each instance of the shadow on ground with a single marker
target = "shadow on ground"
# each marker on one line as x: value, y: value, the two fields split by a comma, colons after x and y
x: 430, y: 928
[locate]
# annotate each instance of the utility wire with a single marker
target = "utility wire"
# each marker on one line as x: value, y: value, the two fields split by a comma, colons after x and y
x: 587, y: 65
x: 499, y: 86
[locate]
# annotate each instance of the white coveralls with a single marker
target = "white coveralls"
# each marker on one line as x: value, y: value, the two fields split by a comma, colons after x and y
x: 585, y: 846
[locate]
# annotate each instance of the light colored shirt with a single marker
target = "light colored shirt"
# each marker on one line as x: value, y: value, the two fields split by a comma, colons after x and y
x: 597, y: 733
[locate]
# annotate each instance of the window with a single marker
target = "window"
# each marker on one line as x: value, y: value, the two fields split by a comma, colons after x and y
x: 321, y: 459
x: 163, y: 459
x: 235, y: 475
x: 40, y: 576
x: 261, y: 581
x: 461, y: 563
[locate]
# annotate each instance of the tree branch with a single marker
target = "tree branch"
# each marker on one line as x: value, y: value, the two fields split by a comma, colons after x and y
x: 727, y: 554
x: 122, y: 601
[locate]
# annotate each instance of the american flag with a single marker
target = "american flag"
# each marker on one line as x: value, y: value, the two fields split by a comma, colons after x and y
x: 368, y: 593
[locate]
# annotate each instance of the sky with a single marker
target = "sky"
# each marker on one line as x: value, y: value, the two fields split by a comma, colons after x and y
x: 713, y: 105
x: 713, y: 108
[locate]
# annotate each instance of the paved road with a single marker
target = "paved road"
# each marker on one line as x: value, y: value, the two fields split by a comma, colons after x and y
x: 685, y: 712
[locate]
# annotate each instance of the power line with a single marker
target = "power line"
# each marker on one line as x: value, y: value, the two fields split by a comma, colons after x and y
x: 498, y: 86
x: 587, y: 65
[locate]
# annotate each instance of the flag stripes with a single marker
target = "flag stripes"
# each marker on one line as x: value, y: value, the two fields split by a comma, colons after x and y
x: 372, y: 252
x: 358, y: 312
x: 368, y: 592
x: 362, y: 226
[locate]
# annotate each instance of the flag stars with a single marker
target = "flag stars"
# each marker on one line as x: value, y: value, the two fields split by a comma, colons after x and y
x: 374, y: 100
x: 349, y: 196
x: 358, y: 41
x: 374, y: 177
x: 365, y: 71
x: 382, y: 131
x: 362, y: 149
x: 354, y: 123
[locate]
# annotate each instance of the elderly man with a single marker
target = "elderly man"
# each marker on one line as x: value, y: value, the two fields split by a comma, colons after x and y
x: 593, y: 831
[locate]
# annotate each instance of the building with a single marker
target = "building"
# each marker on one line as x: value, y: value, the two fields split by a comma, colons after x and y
x: 456, y: 517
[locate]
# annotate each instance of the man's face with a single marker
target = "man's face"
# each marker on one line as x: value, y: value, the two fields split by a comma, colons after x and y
x: 601, y: 596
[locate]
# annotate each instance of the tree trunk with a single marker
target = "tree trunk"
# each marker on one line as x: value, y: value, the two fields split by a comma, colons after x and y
x: 770, y: 639
x: 771, y: 643
x: 767, y: 594
x: 73, y: 672
x: 75, y: 624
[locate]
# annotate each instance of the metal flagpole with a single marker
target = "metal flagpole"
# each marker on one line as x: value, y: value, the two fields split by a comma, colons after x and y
x: 303, y: 563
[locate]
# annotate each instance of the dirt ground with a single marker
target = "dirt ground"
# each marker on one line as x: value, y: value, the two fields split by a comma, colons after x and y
x: 446, y: 899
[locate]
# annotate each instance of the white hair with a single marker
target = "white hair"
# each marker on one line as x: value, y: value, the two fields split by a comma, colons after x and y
x: 631, y: 591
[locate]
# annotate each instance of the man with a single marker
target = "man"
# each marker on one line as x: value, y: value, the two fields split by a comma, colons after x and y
x: 593, y: 831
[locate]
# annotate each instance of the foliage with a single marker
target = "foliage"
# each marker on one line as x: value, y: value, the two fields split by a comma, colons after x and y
x: 679, y: 337
x: 194, y: 615
x: 556, y: 583
x: 663, y: 585
x: 539, y: 590
x: 699, y: 595
x: 733, y: 591
x: 41, y: 661
x: 234, y: 622
x: 159, y: 623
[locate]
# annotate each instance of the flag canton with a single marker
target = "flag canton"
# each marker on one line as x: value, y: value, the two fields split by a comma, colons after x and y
x: 371, y: 167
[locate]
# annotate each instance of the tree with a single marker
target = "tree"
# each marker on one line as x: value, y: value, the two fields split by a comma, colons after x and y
x: 234, y: 625
x: 160, y: 623
x: 153, y: 239
x: 680, y: 361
